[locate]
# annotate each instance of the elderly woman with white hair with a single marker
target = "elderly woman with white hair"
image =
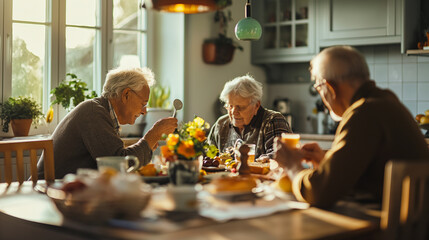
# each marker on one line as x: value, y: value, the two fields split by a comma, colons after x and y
x: 247, y: 119
x: 91, y: 129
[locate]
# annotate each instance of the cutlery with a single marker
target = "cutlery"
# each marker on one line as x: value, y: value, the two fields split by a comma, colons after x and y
x: 177, y: 106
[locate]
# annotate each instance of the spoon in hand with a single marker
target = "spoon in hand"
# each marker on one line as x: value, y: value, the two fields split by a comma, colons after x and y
x: 177, y: 106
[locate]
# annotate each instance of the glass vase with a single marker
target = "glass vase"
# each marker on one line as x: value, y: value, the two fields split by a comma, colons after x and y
x: 184, y: 171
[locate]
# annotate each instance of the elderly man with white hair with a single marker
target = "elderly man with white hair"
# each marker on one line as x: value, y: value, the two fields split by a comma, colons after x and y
x: 247, y: 119
x: 375, y: 127
x: 91, y: 129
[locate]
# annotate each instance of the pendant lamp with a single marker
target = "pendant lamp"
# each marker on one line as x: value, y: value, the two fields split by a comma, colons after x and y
x: 182, y: 6
x: 248, y: 28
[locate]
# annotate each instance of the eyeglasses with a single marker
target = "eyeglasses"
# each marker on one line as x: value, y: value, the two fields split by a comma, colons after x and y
x: 236, y: 107
x: 318, y: 85
x: 144, y: 105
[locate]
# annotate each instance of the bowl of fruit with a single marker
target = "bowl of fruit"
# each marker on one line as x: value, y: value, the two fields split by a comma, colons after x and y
x: 423, y: 120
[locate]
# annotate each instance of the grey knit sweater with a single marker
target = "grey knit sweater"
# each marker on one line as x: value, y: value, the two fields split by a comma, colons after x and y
x: 86, y: 133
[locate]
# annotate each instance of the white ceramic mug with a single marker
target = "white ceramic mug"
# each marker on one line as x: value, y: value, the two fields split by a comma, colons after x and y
x: 184, y: 197
x: 120, y: 163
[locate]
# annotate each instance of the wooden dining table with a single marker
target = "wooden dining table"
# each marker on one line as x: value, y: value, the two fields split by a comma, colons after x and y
x: 28, y: 214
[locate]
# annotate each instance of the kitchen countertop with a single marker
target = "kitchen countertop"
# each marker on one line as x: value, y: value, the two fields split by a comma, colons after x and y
x: 317, y: 137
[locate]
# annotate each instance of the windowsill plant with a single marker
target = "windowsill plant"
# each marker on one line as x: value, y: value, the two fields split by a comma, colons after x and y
x: 20, y: 108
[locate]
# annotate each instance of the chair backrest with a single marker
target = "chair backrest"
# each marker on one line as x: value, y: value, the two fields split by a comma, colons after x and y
x: 18, y: 146
x: 405, y: 208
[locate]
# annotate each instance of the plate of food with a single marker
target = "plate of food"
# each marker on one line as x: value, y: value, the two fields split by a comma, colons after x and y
x: 237, y: 188
x: 150, y: 174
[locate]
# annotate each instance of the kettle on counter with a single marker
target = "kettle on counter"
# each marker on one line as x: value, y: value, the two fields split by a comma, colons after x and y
x: 282, y: 105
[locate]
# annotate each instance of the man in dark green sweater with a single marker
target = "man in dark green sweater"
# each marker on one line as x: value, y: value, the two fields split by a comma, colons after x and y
x: 91, y: 129
x: 374, y: 128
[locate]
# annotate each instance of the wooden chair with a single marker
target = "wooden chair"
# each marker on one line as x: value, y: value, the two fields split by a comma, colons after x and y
x: 18, y: 146
x: 405, y: 208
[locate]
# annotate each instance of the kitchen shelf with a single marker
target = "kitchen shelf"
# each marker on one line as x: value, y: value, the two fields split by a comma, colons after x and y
x: 418, y: 52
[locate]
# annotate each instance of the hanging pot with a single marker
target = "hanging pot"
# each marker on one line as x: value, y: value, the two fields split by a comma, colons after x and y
x: 21, y: 127
x: 215, y: 52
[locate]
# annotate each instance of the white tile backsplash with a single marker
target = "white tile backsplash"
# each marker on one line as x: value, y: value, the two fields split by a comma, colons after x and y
x: 412, y: 106
x: 409, y: 91
x: 395, y: 55
x: 423, y: 91
x: 409, y: 59
x: 381, y: 73
x: 396, y: 88
x: 395, y: 72
x: 409, y: 72
x: 381, y: 54
x: 423, y: 72
x: 422, y: 59
x: 422, y: 106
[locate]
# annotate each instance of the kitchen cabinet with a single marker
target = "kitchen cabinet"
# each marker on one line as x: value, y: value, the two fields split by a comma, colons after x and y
x: 288, y: 31
x: 367, y: 22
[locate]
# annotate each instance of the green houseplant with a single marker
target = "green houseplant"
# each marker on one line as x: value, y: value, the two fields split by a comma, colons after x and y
x: 20, y: 110
x: 72, y: 90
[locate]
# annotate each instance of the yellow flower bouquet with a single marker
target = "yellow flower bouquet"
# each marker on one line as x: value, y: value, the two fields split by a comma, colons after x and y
x: 189, y: 142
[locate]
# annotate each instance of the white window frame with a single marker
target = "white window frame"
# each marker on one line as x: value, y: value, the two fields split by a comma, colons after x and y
x: 55, y: 69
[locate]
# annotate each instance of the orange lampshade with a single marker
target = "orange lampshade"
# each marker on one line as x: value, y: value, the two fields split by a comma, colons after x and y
x: 183, y: 6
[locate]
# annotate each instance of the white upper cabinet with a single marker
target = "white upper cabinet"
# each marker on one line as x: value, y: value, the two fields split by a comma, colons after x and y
x: 288, y: 31
x: 366, y: 22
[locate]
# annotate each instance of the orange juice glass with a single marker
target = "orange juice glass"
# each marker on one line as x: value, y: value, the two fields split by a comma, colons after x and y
x: 291, y: 139
x: 251, y: 153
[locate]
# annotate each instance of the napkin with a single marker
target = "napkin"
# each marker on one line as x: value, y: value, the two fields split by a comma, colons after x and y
x: 224, y: 211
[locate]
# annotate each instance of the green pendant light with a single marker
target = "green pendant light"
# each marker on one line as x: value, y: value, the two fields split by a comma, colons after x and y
x: 248, y: 28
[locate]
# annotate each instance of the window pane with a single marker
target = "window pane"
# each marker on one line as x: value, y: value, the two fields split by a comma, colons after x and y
x: 127, y: 49
x: 127, y: 14
x: 29, y: 10
x: 81, y: 12
x: 28, y: 60
x: 80, y: 47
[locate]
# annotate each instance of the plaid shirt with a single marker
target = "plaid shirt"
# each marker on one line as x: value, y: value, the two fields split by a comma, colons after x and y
x: 114, y: 119
x: 262, y: 129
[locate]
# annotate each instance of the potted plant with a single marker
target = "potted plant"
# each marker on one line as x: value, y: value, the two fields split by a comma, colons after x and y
x: 20, y: 112
x: 71, y: 92
x: 220, y: 50
x: 158, y: 105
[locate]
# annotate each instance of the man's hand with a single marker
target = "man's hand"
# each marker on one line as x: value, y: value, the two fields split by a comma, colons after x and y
x: 288, y: 158
x: 313, y: 153
x: 162, y: 126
